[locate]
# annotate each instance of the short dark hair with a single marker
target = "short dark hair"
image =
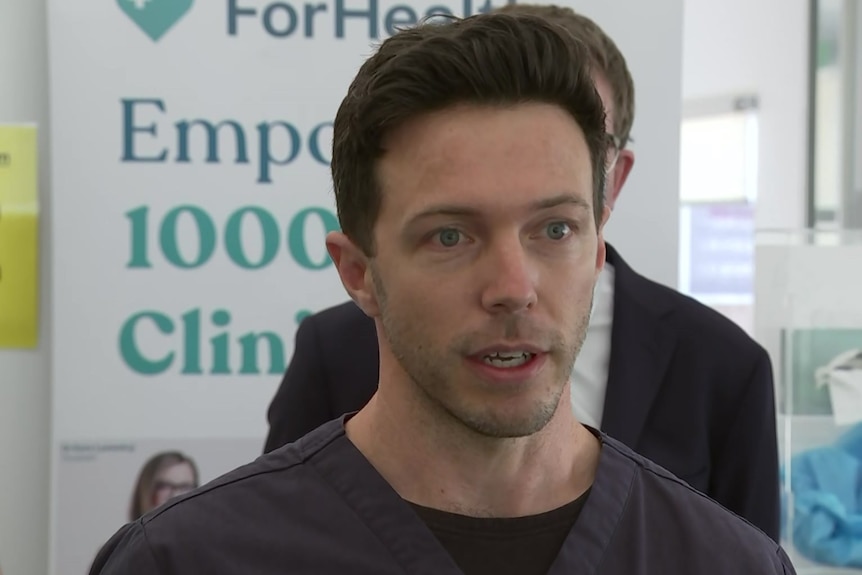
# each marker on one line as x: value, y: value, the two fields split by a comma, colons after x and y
x: 604, y: 52
x: 487, y: 59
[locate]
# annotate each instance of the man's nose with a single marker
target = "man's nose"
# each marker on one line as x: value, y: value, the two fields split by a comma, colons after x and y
x: 509, y: 278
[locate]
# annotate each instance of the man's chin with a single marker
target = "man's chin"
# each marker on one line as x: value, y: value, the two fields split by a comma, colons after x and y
x: 509, y: 424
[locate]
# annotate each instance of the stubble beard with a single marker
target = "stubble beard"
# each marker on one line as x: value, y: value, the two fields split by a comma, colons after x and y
x: 427, y: 369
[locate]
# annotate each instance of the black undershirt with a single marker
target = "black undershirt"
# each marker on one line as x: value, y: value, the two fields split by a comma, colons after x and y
x: 503, y: 546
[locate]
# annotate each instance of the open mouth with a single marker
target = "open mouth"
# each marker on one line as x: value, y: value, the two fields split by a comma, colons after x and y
x: 507, y: 359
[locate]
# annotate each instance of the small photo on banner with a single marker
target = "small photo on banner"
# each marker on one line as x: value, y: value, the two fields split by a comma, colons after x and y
x: 106, y: 484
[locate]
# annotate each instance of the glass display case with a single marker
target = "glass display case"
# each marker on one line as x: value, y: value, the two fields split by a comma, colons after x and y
x: 808, y: 314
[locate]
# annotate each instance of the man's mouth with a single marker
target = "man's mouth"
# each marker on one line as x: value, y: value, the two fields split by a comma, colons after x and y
x: 507, y: 359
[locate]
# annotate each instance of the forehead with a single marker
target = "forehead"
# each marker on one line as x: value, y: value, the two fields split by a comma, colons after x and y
x: 178, y: 469
x: 493, y: 158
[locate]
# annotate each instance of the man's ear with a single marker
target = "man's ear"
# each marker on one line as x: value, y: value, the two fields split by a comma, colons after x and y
x: 618, y: 176
x: 354, y: 269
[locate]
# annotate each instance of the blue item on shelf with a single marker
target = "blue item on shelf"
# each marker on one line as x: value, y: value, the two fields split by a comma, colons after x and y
x: 827, y: 501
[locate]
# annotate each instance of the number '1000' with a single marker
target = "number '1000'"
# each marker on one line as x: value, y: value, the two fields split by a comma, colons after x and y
x: 169, y: 237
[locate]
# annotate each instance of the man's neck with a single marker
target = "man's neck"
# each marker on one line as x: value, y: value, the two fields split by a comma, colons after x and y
x: 446, y: 466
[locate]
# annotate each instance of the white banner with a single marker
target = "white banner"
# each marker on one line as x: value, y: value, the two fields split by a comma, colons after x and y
x: 190, y: 198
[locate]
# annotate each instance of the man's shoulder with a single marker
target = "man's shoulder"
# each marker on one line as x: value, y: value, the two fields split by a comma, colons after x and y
x: 347, y: 312
x: 699, y: 322
x: 672, y: 505
x: 340, y: 324
x: 277, y: 505
x: 248, y: 492
x: 680, y: 527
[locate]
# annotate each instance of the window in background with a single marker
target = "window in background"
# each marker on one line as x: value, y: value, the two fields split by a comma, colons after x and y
x: 836, y: 76
x: 718, y: 192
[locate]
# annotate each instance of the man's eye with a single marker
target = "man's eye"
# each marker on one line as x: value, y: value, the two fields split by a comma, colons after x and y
x: 558, y: 230
x: 449, y: 237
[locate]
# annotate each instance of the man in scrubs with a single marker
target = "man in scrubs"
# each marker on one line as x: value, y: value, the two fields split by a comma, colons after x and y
x: 669, y: 377
x: 468, y: 164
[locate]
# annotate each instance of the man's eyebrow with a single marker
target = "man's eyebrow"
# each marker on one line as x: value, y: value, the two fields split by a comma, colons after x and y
x: 444, y: 210
x: 561, y: 200
x: 467, y: 211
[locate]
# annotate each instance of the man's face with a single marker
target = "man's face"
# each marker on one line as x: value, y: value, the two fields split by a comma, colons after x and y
x: 487, y: 254
x: 621, y: 161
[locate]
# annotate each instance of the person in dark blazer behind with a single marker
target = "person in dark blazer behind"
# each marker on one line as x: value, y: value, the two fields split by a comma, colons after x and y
x: 672, y: 379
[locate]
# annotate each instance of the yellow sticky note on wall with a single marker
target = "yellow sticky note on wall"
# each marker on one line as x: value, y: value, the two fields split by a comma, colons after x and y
x: 19, y: 237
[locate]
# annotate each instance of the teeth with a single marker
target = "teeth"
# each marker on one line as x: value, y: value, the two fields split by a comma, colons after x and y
x: 509, y: 359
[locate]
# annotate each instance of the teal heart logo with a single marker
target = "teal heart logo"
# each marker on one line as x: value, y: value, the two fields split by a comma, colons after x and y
x: 155, y: 17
